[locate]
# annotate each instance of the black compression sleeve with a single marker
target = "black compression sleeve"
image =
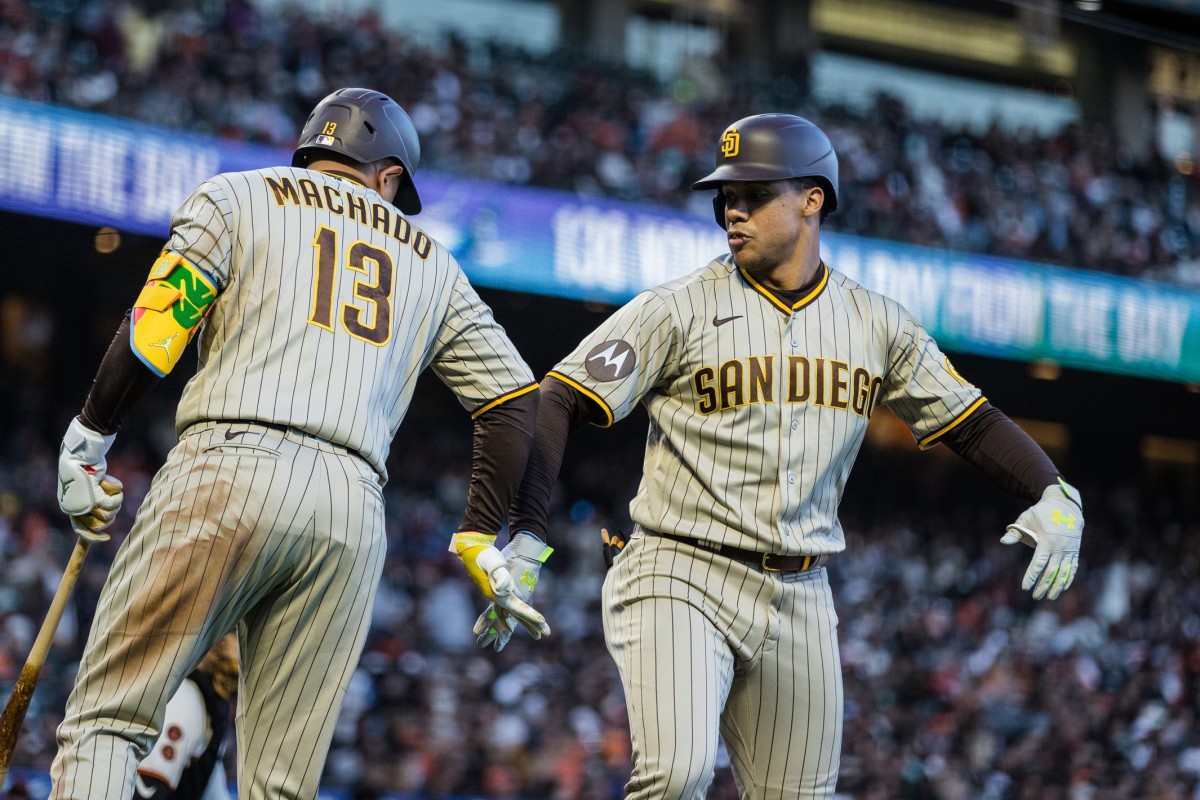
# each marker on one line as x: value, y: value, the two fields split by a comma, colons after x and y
x: 993, y: 443
x: 501, y: 447
x: 563, y: 410
x: 121, y: 381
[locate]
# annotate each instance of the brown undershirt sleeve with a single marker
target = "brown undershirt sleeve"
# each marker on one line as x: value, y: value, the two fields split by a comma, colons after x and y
x: 121, y: 381
x: 500, y: 449
x: 563, y: 410
x: 994, y: 444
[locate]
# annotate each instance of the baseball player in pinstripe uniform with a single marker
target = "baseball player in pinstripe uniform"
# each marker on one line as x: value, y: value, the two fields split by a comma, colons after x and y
x: 760, y: 371
x: 185, y: 763
x: 321, y: 303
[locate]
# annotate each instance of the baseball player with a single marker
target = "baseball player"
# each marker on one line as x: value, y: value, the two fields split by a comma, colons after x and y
x: 316, y: 302
x: 185, y: 763
x: 760, y: 372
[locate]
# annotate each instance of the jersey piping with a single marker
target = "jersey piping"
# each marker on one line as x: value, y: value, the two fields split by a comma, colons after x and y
x: 499, y: 401
x: 595, y: 398
x: 337, y: 174
x: 799, y: 304
x: 932, y: 438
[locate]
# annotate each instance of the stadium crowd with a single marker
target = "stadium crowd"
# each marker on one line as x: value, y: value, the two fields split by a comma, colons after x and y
x: 958, y: 685
x: 1076, y: 198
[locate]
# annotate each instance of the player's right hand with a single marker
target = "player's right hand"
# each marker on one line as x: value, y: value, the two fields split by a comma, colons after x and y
x: 1054, y: 528
x: 490, y: 572
x: 86, y: 493
x: 612, y: 544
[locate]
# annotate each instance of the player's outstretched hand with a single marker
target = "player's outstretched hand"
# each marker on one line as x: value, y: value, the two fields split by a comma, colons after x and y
x: 524, y: 556
x: 86, y: 493
x: 488, y: 569
x: 1053, y: 527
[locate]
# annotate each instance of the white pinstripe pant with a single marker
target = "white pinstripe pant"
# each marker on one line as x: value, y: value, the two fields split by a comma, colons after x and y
x: 706, y: 645
x: 276, y: 533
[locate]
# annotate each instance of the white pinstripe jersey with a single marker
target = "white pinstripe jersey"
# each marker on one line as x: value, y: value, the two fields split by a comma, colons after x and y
x: 331, y: 303
x: 757, y: 410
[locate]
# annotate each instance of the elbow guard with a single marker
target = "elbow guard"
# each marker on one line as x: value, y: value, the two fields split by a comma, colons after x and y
x: 173, y: 303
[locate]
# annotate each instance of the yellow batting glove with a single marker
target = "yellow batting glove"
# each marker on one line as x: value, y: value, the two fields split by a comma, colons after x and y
x: 490, y: 572
x: 468, y: 546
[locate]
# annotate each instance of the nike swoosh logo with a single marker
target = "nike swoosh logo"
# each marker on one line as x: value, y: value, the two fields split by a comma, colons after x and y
x: 718, y: 322
x: 230, y: 434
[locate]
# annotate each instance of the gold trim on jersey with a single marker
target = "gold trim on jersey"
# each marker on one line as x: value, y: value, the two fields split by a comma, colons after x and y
x: 595, y: 398
x: 337, y: 174
x: 504, y: 398
x: 775, y: 301
x: 931, y: 439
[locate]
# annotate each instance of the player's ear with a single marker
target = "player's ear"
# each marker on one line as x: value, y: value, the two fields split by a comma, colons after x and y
x: 387, y: 180
x: 813, y: 201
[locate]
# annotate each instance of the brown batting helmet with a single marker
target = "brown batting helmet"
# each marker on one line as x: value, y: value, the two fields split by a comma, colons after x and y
x: 772, y: 147
x: 366, y: 126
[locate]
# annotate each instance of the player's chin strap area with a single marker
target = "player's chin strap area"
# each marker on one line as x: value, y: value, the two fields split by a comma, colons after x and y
x: 766, y: 562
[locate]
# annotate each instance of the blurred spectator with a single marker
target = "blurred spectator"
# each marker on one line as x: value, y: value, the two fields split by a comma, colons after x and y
x: 490, y: 111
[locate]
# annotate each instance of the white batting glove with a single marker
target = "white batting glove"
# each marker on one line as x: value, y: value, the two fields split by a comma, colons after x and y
x: 488, y: 569
x: 86, y: 493
x: 1054, y: 528
x: 524, y: 556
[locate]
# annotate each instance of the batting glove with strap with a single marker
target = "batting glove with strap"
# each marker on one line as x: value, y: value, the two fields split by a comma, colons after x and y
x: 524, y: 555
x: 490, y: 572
x: 86, y: 493
x: 1054, y: 528
x: 613, y: 544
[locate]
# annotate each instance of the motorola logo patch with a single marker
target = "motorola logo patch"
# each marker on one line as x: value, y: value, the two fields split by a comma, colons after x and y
x: 611, y: 360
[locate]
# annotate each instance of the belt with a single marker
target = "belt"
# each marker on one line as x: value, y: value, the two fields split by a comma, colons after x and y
x: 286, y: 430
x: 767, y: 562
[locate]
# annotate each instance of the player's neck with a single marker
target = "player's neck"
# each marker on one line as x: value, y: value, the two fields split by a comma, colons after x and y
x: 797, y: 272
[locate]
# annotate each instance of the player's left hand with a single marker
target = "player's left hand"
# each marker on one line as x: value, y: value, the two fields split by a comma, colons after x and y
x: 488, y: 569
x: 524, y: 555
x: 1054, y: 528
x: 86, y: 493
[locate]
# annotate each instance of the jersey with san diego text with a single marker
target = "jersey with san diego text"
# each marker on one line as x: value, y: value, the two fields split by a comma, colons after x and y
x: 758, y: 409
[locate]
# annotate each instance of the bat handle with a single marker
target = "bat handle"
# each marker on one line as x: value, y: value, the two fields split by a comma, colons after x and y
x: 22, y: 693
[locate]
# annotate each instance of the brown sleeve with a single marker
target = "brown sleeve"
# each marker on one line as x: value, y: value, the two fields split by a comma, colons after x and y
x: 500, y: 449
x: 121, y: 381
x: 994, y: 444
x: 563, y: 409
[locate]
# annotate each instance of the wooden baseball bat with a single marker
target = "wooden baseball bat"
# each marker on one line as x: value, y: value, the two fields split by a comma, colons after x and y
x: 18, y: 703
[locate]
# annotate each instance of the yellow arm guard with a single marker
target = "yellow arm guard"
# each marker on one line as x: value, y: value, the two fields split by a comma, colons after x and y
x: 467, y: 545
x: 174, y: 301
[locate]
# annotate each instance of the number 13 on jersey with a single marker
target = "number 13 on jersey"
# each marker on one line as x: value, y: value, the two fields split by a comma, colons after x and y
x: 371, y: 321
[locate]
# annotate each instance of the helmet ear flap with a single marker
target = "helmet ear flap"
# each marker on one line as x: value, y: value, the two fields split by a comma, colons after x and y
x: 719, y: 209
